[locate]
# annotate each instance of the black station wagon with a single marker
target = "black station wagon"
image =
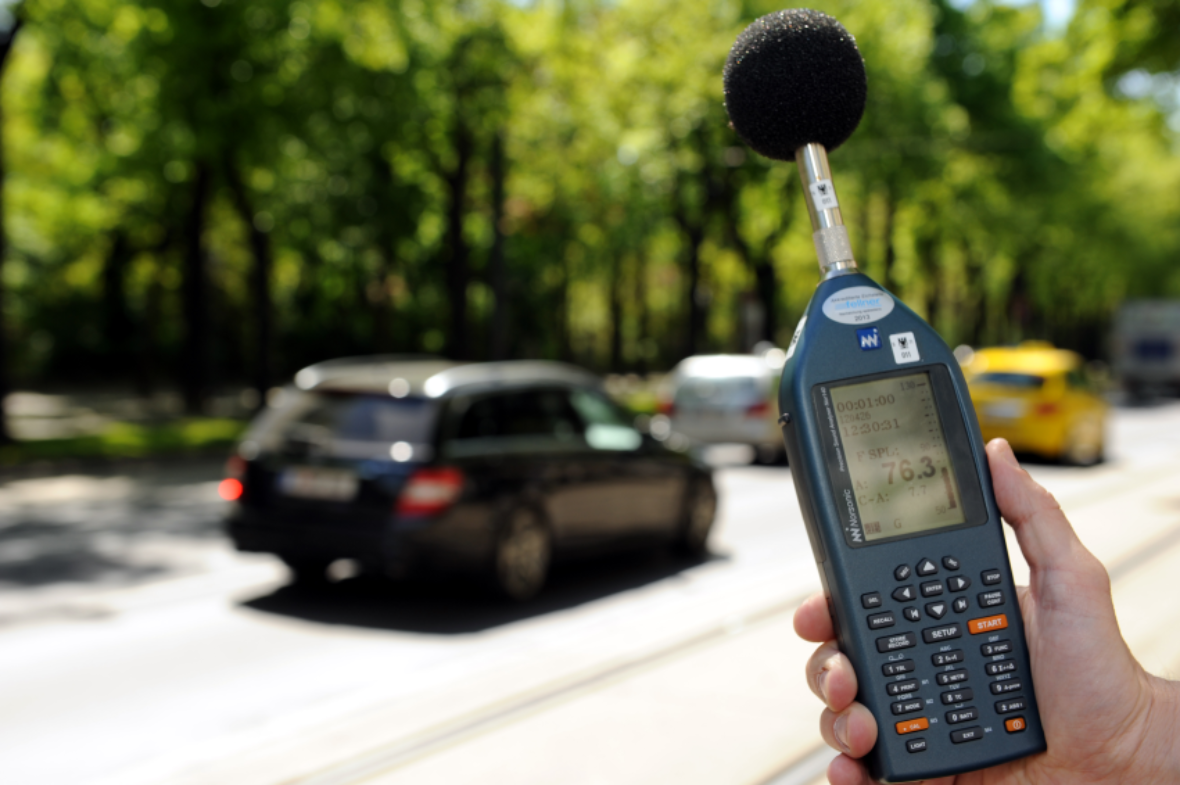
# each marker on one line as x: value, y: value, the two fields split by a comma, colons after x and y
x: 428, y: 466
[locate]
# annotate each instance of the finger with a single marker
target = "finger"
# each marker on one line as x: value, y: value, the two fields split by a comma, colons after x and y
x: 847, y: 771
x: 813, y: 622
x: 1045, y: 535
x: 831, y: 678
x: 852, y: 731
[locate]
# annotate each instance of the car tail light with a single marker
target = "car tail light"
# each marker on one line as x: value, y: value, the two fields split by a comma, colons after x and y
x: 758, y: 409
x: 232, y: 487
x: 1046, y: 409
x: 430, y: 491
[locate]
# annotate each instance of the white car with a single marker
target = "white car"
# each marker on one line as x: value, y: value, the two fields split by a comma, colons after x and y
x: 728, y: 399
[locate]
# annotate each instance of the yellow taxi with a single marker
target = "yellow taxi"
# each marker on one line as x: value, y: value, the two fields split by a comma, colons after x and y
x: 1039, y: 399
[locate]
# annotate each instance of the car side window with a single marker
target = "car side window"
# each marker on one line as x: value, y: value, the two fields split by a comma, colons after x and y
x: 521, y: 421
x: 607, y: 427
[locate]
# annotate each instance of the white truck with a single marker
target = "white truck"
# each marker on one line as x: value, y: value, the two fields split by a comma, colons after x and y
x: 1146, y: 346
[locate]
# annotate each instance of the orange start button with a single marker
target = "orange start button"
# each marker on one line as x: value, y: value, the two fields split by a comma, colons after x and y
x: 1015, y: 725
x: 987, y: 624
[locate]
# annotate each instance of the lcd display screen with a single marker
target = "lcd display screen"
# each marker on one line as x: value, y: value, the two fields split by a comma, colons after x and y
x: 895, y: 449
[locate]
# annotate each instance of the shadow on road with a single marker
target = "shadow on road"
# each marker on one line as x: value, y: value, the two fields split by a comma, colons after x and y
x: 106, y: 528
x: 466, y: 607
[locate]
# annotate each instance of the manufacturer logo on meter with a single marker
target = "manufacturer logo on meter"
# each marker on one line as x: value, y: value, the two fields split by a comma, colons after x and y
x: 868, y: 339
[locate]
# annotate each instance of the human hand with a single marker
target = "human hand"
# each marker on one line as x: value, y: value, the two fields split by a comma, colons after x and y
x: 1106, y: 720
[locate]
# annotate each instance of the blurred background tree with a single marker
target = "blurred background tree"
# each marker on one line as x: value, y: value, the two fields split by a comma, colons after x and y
x: 203, y: 193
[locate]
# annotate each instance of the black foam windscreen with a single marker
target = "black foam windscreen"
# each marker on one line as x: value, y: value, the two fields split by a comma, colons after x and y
x: 792, y: 78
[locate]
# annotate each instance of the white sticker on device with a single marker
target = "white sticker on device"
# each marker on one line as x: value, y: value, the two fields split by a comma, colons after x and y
x: 858, y: 305
x: 905, y: 348
x: 823, y: 195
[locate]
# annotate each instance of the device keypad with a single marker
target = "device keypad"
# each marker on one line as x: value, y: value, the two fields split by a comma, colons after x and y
x: 1000, y: 673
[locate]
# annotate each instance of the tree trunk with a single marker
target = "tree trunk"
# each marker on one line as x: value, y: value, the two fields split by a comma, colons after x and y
x: 118, y: 331
x: 5, y: 380
x: 195, y: 296
x: 259, y: 284
x: 497, y: 266
x: 616, y: 313
x: 457, y: 272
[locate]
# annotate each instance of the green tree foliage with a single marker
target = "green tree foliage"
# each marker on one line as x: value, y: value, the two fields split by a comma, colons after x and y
x: 202, y: 192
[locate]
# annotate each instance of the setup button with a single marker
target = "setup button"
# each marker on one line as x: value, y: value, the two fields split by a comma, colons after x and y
x: 943, y: 633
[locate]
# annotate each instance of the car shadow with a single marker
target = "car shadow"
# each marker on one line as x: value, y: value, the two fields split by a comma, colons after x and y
x: 463, y: 607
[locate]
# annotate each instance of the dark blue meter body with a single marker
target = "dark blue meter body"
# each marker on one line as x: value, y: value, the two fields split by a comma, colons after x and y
x: 891, y: 474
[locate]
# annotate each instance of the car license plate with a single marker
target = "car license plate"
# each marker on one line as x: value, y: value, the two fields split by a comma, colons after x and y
x: 337, y: 485
x: 1004, y: 410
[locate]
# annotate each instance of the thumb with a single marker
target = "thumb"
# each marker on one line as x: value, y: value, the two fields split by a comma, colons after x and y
x: 1045, y: 534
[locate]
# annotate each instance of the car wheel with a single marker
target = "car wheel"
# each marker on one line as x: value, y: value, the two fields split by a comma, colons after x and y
x: 1085, y: 444
x: 307, y: 571
x: 523, y: 552
x: 700, y: 510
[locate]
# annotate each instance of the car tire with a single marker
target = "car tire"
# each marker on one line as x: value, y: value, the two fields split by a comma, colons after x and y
x: 700, y: 510
x: 523, y: 552
x: 1085, y: 445
x: 307, y: 571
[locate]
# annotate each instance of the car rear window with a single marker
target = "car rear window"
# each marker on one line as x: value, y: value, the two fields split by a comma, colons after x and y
x: 1025, y: 381
x: 372, y: 418
x: 345, y: 425
x: 720, y: 391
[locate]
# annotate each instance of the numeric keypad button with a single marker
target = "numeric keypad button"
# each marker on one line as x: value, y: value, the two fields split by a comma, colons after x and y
x: 953, y: 677
x: 902, y: 687
x: 947, y: 657
x: 905, y: 707
x: 996, y: 668
x: 999, y: 647
x: 927, y: 567
x: 898, y: 667
x: 962, y: 715
x: 957, y: 696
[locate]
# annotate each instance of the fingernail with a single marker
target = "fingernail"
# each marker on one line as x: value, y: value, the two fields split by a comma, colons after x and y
x: 1007, y: 454
x: 820, y: 681
x: 840, y: 731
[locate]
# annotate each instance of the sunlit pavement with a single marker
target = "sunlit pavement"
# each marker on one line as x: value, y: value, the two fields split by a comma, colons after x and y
x: 138, y: 649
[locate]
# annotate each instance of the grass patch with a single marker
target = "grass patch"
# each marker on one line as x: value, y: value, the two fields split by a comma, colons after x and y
x: 131, y: 440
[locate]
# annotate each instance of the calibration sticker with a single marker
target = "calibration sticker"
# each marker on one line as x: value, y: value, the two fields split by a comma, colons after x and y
x: 858, y: 305
x: 905, y: 348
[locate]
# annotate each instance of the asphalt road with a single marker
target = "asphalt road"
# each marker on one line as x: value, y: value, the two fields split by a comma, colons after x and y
x: 135, y: 647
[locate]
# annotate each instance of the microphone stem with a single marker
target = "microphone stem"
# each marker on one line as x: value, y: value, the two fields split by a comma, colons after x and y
x: 827, y: 224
